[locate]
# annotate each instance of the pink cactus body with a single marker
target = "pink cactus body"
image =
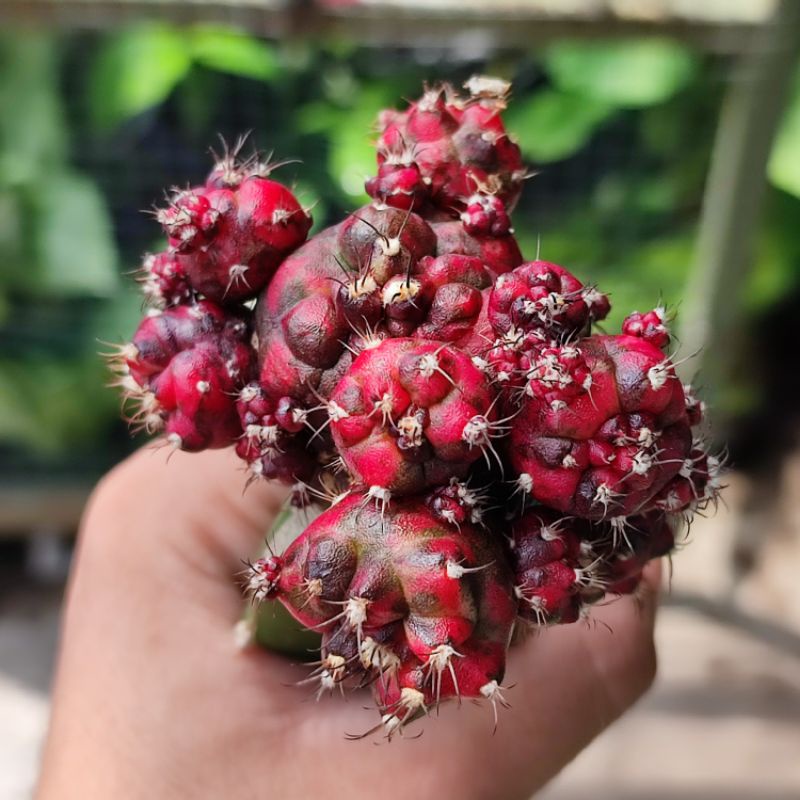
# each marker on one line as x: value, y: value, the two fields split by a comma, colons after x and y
x: 650, y: 326
x: 410, y: 414
x: 183, y: 369
x: 602, y: 426
x: 270, y: 443
x: 230, y: 236
x: 447, y: 155
x: 554, y: 573
x: 400, y: 595
x: 540, y: 296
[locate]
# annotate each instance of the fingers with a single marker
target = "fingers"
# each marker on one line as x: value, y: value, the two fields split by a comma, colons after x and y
x: 565, y: 685
x: 147, y: 649
x: 573, y: 681
x: 568, y: 684
x: 191, y: 501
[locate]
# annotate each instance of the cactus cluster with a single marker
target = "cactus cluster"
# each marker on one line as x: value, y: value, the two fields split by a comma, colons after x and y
x: 483, y: 459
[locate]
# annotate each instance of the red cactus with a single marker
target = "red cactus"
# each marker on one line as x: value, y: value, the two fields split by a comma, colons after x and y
x: 448, y: 154
x: 499, y: 253
x: 164, y: 281
x: 410, y: 414
x: 232, y: 233
x: 540, y: 296
x: 372, y: 276
x: 457, y: 503
x: 695, y: 486
x: 650, y: 326
x: 602, y: 426
x: 555, y: 574
x: 400, y: 595
x: 648, y: 537
x: 401, y: 358
x: 182, y: 370
x: 193, y: 216
x: 695, y: 408
x: 269, y: 442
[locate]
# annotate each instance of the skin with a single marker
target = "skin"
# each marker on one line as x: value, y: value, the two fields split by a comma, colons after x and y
x: 153, y: 700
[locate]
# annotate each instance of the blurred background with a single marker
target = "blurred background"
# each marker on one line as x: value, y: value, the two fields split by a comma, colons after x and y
x: 665, y: 135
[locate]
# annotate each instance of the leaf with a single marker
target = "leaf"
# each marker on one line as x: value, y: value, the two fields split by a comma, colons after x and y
x: 552, y: 125
x: 317, y: 117
x: 28, y: 391
x: 783, y: 168
x: 11, y: 234
x: 17, y: 417
x: 196, y: 100
x: 118, y: 318
x: 653, y: 272
x: 352, y: 154
x: 635, y: 276
x: 135, y: 70
x: 774, y: 274
x: 74, y: 249
x: 626, y: 73
x: 32, y: 129
x: 228, y: 50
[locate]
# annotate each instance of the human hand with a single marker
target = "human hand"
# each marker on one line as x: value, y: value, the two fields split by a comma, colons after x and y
x: 153, y: 699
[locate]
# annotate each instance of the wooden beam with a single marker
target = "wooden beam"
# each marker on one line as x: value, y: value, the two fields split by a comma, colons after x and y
x: 476, y: 27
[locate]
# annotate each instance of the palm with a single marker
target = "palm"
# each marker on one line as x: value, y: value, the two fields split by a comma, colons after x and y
x: 149, y: 645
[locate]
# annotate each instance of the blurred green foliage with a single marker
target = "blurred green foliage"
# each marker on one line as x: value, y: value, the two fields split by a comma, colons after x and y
x: 624, y: 74
x: 140, y: 67
x: 619, y: 133
x: 784, y: 164
x: 57, y: 253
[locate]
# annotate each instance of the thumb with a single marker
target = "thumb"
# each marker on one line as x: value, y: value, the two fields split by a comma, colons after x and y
x: 196, y: 504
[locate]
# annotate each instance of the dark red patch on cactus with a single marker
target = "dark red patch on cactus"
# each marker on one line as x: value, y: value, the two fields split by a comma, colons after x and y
x: 647, y: 537
x: 555, y: 576
x: 270, y: 442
